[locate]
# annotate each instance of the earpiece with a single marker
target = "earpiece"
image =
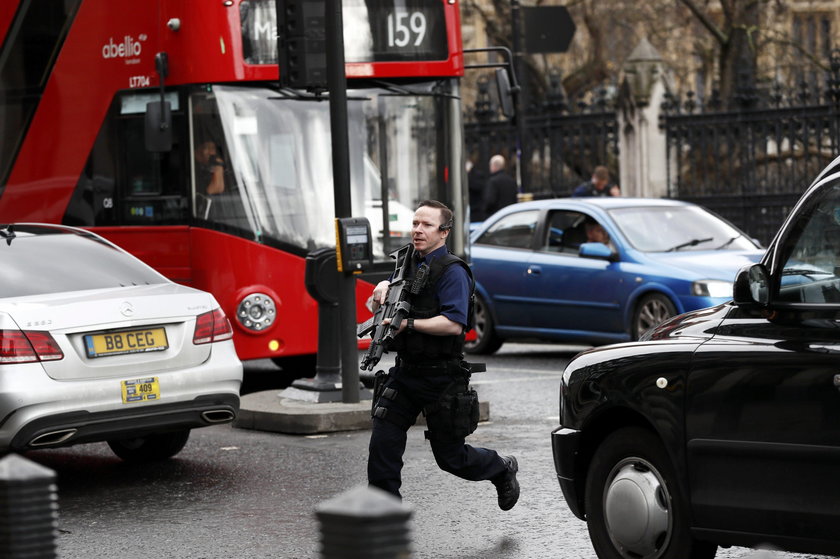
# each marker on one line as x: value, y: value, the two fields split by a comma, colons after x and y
x: 446, y: 227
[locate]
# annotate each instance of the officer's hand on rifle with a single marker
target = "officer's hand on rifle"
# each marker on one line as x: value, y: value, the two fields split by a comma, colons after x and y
x: 402, y: 327
x: 378, y: 297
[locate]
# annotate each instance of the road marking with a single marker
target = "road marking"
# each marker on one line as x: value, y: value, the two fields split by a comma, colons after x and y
x: 527, y: 371
x: 506, y: 380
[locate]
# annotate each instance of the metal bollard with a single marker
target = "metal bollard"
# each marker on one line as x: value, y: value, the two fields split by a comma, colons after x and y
x: 28, y: 509
x: 364, y: 523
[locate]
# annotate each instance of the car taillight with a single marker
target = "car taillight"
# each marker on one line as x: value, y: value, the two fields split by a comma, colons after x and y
x: 17, y: 346
x: 211, y: 327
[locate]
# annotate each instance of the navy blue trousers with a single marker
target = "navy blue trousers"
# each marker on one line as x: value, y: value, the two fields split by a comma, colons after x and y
x: 388, y: 438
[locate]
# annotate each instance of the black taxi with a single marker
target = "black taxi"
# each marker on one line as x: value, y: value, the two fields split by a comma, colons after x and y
x: 721, y: 426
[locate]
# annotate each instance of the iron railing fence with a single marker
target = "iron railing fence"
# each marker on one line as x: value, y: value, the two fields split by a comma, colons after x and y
x: 559, y: 148
x: 750, y: 165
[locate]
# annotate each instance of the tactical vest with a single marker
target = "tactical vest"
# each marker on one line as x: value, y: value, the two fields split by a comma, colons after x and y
x: 414, y: 346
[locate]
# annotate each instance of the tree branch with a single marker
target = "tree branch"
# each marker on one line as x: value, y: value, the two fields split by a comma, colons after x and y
x: 713, y: 29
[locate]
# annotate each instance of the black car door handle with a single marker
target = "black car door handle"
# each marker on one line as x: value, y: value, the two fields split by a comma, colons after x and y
x: 534, y: 270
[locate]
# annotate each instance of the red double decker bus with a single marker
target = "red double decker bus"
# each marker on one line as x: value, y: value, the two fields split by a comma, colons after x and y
x: 245, y: 191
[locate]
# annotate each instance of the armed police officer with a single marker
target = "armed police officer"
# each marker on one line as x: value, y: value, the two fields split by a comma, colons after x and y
x: 429, y: 373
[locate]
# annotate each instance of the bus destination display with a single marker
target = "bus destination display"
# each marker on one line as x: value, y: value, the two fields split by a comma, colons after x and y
x: 374, y: 31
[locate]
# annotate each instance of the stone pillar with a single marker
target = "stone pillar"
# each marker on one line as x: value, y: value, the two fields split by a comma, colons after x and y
x: 28, y: 509
x: 642, y: 145
x: 364, y: 523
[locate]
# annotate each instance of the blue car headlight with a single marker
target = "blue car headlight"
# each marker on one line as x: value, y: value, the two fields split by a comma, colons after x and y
x: 712, y: 288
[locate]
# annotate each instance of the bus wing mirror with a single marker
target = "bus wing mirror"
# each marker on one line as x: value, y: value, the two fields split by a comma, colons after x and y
x: 505, y: 93
x: 158, y: 123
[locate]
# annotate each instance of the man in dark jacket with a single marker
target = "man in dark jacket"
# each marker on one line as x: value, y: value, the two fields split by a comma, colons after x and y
x: 598, y: 185
x: 477, y: 182
x: 501, y: 188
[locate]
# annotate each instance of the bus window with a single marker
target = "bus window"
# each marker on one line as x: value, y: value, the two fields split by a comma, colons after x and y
x: 277, y: 155
x: 216, y: 197
x: 29, y: 50
x: 122, y: 183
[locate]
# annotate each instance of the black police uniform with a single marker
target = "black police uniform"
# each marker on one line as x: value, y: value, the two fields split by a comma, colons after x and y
x: 426, y: 368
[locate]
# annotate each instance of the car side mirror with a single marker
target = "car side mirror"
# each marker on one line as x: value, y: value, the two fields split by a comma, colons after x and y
x: 599, y: 251
x: 752, y: 286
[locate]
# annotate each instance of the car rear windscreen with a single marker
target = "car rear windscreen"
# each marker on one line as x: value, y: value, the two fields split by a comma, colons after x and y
x: 61, y: 262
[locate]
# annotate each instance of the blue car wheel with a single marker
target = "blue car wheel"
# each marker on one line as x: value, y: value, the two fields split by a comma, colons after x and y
x: 652, y: 310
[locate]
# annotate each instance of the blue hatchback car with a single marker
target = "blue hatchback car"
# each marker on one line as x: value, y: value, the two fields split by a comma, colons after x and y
x: 599, y: 270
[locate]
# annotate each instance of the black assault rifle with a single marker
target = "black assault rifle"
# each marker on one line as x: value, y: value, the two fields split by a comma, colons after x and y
x: 396, y: 306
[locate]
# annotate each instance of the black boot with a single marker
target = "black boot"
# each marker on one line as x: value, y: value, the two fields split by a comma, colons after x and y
x: 506, y: 485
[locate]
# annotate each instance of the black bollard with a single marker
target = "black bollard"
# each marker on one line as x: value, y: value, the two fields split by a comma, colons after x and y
x: 364, y: 523
x: 28, y: 509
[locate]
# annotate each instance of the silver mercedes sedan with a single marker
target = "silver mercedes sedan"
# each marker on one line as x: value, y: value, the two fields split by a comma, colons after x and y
x: 97, y: 346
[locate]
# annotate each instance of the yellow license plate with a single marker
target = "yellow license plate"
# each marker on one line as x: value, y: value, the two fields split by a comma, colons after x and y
x: 140, y: 390
x: 132, y: 341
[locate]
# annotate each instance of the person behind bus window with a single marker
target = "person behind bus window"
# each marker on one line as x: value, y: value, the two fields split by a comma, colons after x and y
x: 209, y: 168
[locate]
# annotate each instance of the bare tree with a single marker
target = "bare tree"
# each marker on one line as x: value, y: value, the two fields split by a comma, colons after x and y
x: 731, y: 44
x: 736, y: 36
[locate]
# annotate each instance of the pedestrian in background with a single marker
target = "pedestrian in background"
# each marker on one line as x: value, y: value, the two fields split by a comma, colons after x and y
x: 429, y: 373
x: 598, y: 185
x: 501, y: 188
x: 477, y: 182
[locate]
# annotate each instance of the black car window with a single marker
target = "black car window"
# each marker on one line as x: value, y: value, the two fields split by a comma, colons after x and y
x: 515, y: 230
x: 61, y: 262
x: 811, y: 269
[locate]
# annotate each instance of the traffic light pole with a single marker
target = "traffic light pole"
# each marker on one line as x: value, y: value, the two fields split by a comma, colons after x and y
x: 337, y: 86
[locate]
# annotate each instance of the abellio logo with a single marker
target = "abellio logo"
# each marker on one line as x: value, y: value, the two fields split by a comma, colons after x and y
x: 129, y: 47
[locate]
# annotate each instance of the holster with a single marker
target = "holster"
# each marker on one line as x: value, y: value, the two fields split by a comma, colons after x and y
x: 379, y: 379
x: 455, y: 415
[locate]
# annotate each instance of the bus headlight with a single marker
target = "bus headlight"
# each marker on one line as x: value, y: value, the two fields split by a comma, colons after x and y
x: 256, y: 312
x: 712, y: 288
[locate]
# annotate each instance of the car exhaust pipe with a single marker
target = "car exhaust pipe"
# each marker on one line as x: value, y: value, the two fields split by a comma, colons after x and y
x: 52, y: 438
x: 218, y: 416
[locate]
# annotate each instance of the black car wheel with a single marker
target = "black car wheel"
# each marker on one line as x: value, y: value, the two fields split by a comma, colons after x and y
x: 486, y: 341
x: 159, y: 446
x: 634, y: 507
x: 651, y: 311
